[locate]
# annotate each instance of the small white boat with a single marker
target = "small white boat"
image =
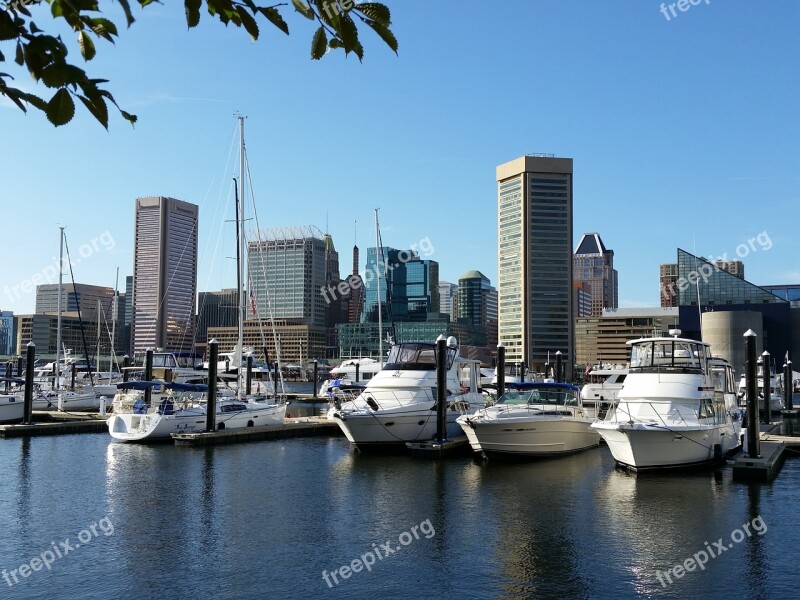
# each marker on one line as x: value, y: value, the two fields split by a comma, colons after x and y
x: 776, y: 403
x: 345, y: 374
x: 12, y: 408
x: 398, y: 405
x: 66, y: 401
x: 532, y: 420
x: 676, y: 409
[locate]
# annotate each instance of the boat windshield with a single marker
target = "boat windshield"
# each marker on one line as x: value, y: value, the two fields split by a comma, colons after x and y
x: 413, y: 357
x: 558, y: 397
x: 668, y: 355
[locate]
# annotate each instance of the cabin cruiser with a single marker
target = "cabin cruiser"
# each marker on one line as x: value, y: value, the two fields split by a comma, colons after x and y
x: 776, y: 403
x: 398, y: 405
x: 676, y: 409
x: 532, y: 420
x: 177, y: 367
x: 182, y: 410
x: 601, y: 385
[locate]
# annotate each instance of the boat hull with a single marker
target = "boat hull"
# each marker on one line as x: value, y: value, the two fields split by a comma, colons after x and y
x: 530, y: 438
x: 70, y: 401
x: 645, y: 446
x: 12, y: 408
x: 387, y: 429
x: 152, y: 426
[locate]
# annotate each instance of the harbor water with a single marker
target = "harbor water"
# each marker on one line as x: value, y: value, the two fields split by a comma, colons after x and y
x: 83, y: 517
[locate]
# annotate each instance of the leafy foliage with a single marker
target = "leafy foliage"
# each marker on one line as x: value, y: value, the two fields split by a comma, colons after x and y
x: 46, y: 56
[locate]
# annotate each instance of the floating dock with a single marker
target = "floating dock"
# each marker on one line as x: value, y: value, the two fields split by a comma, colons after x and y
x: 302, y: 427
x: 56, y: 423
x: 457, y: 446
x: 763, y: 468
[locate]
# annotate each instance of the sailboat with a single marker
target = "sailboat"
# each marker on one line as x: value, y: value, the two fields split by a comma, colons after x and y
x: 134, y: 420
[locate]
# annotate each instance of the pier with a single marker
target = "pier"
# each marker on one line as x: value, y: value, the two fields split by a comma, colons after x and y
x: 57, y: 423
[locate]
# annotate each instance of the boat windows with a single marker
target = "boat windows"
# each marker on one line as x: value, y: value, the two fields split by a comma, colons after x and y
x: 668, y: 355
x: 413, y: 357
x: 706, y: 409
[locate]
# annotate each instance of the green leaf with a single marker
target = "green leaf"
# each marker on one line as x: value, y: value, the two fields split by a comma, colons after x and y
x: 248, y: 22
x: 319, y: 44
x: 304, y: 9
x: 275, y: 18
x: 348, y: 33
x: 61, y: 108
x: 376, y: 12
x: 20, y: 58
x: 192, y: 12
x: 126, y: 7
x: 61, y: 74
x: 129, y: 117
x: 86, y: 45
x: 386, y: 35
x: 103, y: 27
x: 98, y: 108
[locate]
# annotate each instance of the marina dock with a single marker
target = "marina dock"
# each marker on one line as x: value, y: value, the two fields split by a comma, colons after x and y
x: 299, y: 427
x: 57, y: 423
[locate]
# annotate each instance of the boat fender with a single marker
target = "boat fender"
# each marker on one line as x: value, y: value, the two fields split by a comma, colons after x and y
x: 371, y: 403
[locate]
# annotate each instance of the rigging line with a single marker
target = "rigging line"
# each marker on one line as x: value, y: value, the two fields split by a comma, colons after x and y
x: 80, y: 320
x: 271, y: 317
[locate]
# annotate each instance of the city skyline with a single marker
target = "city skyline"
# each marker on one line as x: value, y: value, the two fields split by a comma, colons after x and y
x: 663, y: 142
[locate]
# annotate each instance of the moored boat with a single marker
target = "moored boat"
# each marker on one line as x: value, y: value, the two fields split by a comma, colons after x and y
x: 398, y: 405
x: 531, y: 420
x: 670, y: 412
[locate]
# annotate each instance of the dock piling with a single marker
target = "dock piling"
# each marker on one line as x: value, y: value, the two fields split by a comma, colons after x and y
x: 316, y: 378
x: 211, y: 401
x: 751, y: 378
x: 249, y: 384
x: 441, y: 388
x: 767, y: 389
x: 501, y: 369
x: 148, y: 375
x: 787, y: 385
x: 30, y: 359
x: 559, y: 365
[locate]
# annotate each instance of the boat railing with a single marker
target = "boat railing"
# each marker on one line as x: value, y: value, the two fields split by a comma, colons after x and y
x: 134, y: 402
x: 384, y: 398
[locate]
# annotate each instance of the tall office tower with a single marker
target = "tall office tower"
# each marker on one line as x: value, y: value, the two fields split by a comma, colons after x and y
x: 164, y: 274
x: 127, y: 337
x: 448, y: 300
x: 594, y: 264
x: 668, y: 278
x: 287, y: 273
x: 409, y: 286
x: 477, y: 304
x: 355, y: 303
x: 81, y: 296
x: 535, y: 260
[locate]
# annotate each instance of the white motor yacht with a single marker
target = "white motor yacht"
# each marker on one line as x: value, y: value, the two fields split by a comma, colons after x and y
x: 398, y: 405
x: 669, y: 412
x: 351, y: 372
x: 776, y: 403
x: 532, y: 420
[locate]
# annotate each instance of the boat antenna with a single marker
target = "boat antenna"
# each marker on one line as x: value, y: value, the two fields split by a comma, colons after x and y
x: 379, y: 251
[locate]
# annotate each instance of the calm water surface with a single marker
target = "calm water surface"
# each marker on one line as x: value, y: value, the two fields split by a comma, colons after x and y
x: 265, y: 519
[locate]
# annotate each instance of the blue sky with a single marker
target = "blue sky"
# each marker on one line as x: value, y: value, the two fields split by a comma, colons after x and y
x: 684, y: 133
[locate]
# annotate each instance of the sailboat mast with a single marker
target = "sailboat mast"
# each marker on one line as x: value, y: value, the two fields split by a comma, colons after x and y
x: 114, y: 318
x: 379, y: 252
x: 238, y: 353
x: 57, y: 368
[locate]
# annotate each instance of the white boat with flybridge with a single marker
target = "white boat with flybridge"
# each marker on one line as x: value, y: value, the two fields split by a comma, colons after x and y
x: 776, y: 403
x: 532, y: 420
x: 352, y: 372
x: 676, y: 409
x: 398, y: 404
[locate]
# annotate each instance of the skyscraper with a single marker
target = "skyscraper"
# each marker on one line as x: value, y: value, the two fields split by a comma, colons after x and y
x: 535, y: 259
x: 287, y: 273
x: 164, y: 274
x: 668, y: 278
x: 448, y: 299
x: 594, y: 264
x: 409, y: 285
x: 477, y: 304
